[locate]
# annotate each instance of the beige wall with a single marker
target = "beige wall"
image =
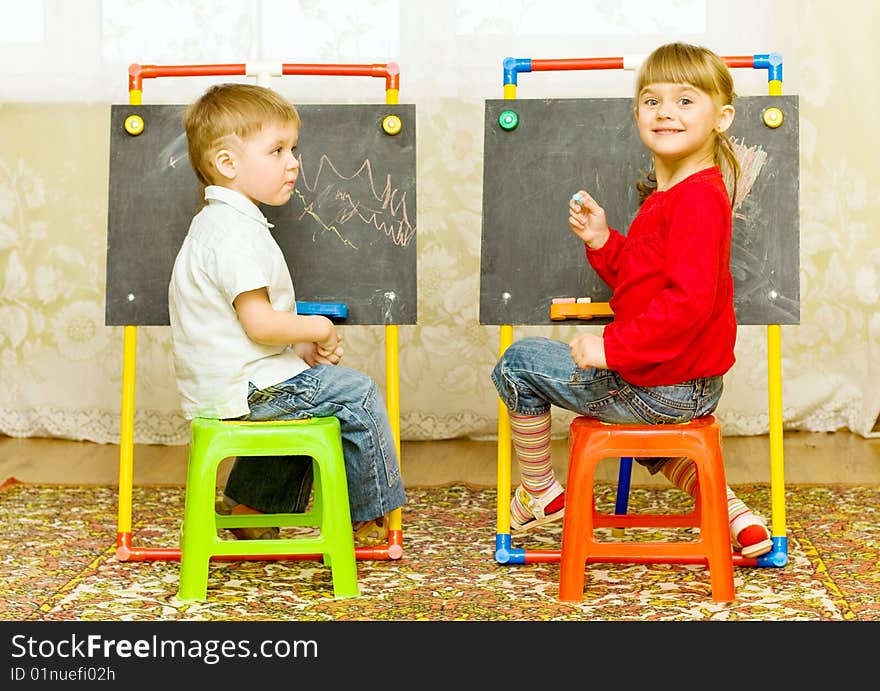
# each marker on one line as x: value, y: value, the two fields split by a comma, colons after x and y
x: 60, y: 367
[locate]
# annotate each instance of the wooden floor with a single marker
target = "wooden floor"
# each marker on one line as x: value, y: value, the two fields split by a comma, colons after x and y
x: 831, y: 458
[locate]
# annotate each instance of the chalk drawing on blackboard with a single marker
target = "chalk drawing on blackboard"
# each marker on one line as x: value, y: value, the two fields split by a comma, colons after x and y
x: 174, y: 153
x: 309, y: 210
x: 332, y: 201
x: 751, y: 162
x: 389, y: 298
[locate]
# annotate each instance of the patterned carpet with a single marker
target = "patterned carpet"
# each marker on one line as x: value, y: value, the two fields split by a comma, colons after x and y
x: 58, y: 563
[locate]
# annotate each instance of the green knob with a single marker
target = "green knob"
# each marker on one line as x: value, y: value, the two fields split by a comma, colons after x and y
x: 508, y: 120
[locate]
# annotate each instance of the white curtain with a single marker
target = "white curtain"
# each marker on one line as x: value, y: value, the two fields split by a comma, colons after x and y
x: 66, y: 62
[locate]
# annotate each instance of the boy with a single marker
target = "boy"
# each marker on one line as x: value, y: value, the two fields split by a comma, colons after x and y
x: 240, y: 349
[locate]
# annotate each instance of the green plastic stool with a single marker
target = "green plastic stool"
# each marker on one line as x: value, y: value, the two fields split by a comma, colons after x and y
x: 214, y: 440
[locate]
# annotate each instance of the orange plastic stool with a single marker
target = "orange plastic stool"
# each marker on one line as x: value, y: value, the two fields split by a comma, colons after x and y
x: 590, y: 441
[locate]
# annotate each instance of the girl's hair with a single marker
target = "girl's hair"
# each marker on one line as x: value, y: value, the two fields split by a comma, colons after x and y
x: 683, y: 63
x: 227, y: 111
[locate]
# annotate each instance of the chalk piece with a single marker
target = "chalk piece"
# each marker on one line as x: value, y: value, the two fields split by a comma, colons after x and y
x: 577, y: 198
x: 581, y: 301
x: 562, y: 301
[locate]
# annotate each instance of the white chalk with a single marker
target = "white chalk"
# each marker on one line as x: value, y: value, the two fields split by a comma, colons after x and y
x: 577, y: 198
x: 582, y: 301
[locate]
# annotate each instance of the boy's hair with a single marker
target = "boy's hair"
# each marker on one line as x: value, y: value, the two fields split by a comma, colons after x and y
x: 226, y: 111
x: 683, y: 63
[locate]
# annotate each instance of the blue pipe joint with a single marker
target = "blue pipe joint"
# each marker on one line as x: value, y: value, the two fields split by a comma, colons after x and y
x: 504, y: 554
x: 513, y: 66
x: 778, y: 556
x: 772, y: 62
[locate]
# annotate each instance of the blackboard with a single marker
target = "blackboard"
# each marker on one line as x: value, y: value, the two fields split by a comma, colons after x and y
x: 348, y: 233
x: 528, y: 254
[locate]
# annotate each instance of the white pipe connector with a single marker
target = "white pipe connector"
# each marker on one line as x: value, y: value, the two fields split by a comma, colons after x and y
x: 263, y: 70
x: 632, y: 62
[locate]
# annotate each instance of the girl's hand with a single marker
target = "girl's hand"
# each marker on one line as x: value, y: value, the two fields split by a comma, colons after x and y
x: 587, y: 220
x: 588, y: 350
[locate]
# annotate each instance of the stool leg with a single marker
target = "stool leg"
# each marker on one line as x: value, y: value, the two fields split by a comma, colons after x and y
x: 194, y: 556
x: 199, y: 531
x: 621, y: 503
x: 336, y: 528
x: 577, y: 527
x: 718, y: 551
x: 715, y: 531
x: 344, y: 571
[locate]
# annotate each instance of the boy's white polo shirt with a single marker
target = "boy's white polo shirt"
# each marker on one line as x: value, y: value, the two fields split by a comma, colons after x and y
x: 227, y: 251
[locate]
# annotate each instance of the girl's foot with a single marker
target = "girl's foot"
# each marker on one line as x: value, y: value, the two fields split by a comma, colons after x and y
x: 750, y: 535
x: 528, y: 511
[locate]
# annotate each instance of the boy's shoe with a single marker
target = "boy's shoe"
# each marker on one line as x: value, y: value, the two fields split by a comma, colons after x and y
x: 750, y: 535
x: 549, y: 506
x: 371, y: 533
x: 227, y: 506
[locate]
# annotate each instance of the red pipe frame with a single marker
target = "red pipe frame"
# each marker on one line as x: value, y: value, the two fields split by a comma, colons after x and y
x: 136, y: 74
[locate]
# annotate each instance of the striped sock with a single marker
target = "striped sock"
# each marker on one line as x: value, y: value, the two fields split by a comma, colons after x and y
x: 530, y: 435
x: 682, y: 472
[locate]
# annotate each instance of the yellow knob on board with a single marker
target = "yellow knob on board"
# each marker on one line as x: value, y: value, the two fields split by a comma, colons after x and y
x: 134, y: 125
x: 391, y: 124
x: 772, y: 117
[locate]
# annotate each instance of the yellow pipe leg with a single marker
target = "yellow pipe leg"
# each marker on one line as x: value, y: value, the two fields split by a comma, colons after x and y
x: 126, y: 423
x: 392, y: 388
x: 774, y: 393
x: 502, y: 509
x: 774, y: 388
x: 126, y: 433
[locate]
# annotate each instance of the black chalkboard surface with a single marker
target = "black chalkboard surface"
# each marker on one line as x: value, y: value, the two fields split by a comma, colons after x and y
x: 529, y: 256
x: 348, y: 233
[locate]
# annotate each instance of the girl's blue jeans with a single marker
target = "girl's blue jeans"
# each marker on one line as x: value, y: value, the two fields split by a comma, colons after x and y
x: 535, y: 373
x: 283, y: 484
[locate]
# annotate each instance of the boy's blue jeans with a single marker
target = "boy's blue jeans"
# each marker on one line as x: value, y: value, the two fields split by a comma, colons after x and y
x: 283, y: 484
x: 535, y: 373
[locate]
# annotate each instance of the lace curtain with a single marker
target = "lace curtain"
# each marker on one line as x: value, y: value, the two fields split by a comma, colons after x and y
x: 60, y: 366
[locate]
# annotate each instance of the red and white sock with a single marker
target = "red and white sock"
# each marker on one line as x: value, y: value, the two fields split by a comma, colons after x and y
x: 682, y: 472
x: 530, y: 435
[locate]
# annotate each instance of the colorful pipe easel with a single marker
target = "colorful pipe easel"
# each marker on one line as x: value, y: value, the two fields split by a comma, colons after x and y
x: 263, y: 71
x: 778, y: 556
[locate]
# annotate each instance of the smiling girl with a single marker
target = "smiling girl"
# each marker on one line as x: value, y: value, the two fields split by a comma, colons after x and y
x: 663, y: 358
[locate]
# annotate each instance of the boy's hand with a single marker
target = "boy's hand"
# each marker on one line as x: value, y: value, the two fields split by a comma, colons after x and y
x: 588, y: 350
x: 313, y: 354
x: 330, y: 357
x: 587, y: 220
x: 328, y: 345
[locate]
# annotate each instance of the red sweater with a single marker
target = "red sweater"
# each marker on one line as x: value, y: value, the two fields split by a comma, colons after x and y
x: 673, y: 290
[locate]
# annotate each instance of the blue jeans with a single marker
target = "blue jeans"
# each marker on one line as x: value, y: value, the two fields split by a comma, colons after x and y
x: 535, y: 373
x: 283, y: 484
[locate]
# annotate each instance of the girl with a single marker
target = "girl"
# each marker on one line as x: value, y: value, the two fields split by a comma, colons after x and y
x: 663, y: 357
